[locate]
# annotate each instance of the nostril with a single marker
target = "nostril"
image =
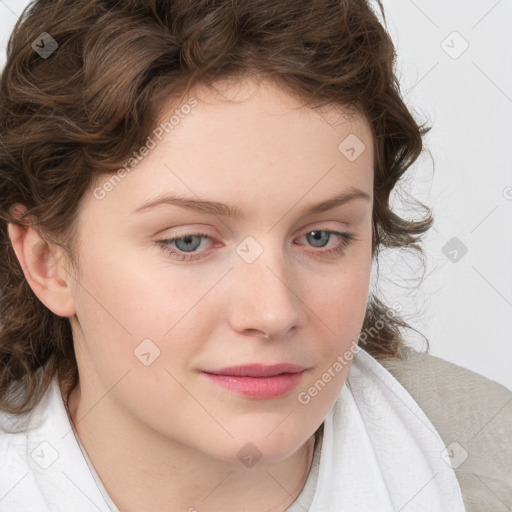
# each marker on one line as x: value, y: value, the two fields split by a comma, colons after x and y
x: 258, y: 332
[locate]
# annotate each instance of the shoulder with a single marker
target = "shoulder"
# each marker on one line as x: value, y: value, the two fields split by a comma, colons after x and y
x: 473, y: 415
x: 39, y: 455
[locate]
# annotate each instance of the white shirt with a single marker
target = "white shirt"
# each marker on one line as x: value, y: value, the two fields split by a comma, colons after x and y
x: 379, y: 451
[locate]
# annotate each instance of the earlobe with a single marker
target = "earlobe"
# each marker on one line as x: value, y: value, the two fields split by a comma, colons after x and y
x: 43, y: 267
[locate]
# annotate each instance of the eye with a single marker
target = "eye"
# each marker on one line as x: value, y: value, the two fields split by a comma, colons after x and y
x: 186, y: 245
x: 320, y: 237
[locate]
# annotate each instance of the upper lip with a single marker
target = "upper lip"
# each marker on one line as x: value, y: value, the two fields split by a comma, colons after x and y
x: 257, y: 370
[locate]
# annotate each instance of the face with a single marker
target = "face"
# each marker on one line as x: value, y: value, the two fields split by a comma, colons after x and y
x: 170, y: 292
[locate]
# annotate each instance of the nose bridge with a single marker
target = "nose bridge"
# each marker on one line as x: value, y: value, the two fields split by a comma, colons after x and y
x: 266, y: 299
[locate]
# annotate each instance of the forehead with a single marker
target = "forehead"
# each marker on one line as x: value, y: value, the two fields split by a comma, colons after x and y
x: 240, y: 106
x: 250, y: 139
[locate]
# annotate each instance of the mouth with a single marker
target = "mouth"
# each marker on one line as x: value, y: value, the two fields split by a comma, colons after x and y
x: 258, y: 381
x: 257, y: 370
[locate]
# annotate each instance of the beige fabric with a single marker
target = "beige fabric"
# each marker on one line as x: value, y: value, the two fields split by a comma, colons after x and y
x: 472, y: 412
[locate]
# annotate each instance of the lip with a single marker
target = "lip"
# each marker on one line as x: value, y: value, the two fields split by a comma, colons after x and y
x: 257, y: 370
x: 258, y: 381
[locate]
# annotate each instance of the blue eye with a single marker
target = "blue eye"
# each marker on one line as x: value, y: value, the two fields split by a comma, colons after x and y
x: 320, y: 235
x: 185, y: 246
x: 185, y: 252
x: 188, y: 243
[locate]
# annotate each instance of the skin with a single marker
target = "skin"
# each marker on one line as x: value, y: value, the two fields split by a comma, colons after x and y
x: 162, y: 437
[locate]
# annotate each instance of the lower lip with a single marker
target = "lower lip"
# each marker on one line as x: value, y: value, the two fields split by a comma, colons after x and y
x: 258, y: 387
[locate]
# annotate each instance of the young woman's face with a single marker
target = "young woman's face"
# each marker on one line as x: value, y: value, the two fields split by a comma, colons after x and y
x: 269, y: 283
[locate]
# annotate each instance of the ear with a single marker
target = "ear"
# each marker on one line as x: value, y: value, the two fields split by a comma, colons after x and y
x: 43, y: 265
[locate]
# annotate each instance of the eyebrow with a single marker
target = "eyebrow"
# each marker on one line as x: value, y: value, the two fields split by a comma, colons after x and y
x: 216, y: 208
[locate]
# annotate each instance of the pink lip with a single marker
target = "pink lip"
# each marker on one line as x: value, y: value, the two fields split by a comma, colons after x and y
x: 258, y: 381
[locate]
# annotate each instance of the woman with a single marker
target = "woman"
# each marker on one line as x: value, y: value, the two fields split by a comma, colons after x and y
x: 192, y: 198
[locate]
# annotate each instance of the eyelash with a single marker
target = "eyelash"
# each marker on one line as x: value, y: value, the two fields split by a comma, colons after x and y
x: 345, y: 240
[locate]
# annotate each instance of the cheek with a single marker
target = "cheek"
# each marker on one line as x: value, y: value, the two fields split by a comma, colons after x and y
x: 127, y: 302
x: 340, y: 308
x: 345, y: 290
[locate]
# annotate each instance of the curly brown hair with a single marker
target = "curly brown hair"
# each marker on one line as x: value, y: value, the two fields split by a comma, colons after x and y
x: 69, y: 117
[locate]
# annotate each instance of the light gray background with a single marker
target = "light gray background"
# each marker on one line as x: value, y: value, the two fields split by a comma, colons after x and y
x: 464, y: 306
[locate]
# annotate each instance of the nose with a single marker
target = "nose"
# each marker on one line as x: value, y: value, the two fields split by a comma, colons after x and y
x: 266, y: 298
